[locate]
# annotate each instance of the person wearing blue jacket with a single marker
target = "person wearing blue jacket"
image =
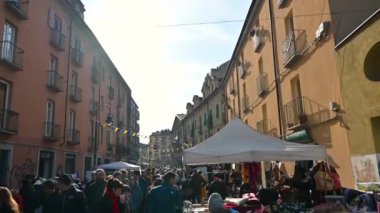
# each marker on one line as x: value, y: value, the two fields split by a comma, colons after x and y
x: 165, y: 198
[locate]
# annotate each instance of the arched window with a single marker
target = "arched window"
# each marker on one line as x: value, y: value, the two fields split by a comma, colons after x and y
x: 372, y: 63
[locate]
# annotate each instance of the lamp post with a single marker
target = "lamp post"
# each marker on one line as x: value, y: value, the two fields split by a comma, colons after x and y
x: 109, y: 121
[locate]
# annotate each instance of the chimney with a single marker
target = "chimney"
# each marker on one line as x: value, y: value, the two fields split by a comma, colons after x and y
x: 189, y: 108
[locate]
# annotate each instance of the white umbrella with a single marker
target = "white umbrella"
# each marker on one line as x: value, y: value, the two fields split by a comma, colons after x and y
x: 118, y: 165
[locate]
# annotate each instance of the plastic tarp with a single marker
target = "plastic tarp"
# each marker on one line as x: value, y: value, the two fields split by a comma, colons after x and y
x: 118, y: 165
x: 237, y: 142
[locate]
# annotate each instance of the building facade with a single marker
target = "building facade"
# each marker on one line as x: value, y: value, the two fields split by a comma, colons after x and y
x: 58, y: 89
x: 204, y: 116
x: 358, y: 63
x: 283, y: 77
x: 160, y: 150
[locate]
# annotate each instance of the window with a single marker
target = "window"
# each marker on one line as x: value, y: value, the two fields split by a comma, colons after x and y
x: 53, y: 63
x: 53, y: 67
x: 4, y: 93
x: 70, y: 163
x: 375, y: 123
x: 92, y: 130
x: 217, y: 110
x: 87, y: 166
x: 72, y: 120
x: 289, y: 24
x: 74, y: 78
x: 261, y: 66
x: 372, y: 63
x: 8, y: 51
x: 50, y: 108
x: 55, y: 22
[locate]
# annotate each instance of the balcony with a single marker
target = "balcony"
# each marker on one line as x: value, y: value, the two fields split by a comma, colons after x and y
x: 57, y: 39
x: 258, y: 40
x: 265, y: 126
x: 8, y: 122
x: 92, y: 144
x: 51, y: 131
x: 77, y: 57
x: 73, y: 137
x: 111, y: 93
x: 93, y: 107
x: 262, y: 84
x: 55, y: 81
x: 302, y: 112
x: 75, y: 94
x: 95, y: 75
x: 18, y: 7
x: 246, y: 104
x: 11, y: 55
x: 293, y: 46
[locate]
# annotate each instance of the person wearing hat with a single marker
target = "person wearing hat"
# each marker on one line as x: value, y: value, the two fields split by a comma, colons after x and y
x: 95, y: 191
x: 218, y: 186
x: 51, y: 199
x: 74, y: 200
x: 165, y: 198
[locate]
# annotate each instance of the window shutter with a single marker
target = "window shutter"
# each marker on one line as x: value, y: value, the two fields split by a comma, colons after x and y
x: 64, y: 28
x: 51, y: 22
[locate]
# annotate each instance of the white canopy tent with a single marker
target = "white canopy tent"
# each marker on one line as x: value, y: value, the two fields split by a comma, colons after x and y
x: 237, y: 142
x: 118, y: 165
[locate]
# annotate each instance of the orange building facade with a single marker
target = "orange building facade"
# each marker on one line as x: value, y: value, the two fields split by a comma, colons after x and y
x: 58, y: 88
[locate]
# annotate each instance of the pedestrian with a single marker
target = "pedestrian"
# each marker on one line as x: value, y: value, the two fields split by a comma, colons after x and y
x: 110, y: 201
x: 96, y: 190
x: 165, y: 198
x: 117, y: 175
x: 136, y: 200
x: 124, y: 176
x: 7, y: 203
x: 74, y: 200
x: 52, y: 199
x: 218, y: 186
x: 28, y: 195
x: 197, y: 182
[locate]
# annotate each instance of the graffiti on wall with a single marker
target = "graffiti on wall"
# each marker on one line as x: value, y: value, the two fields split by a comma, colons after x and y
x: 365, y: 168
x: 18, y: 172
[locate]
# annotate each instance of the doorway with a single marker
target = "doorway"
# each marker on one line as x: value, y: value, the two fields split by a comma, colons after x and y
x: 46, y: 163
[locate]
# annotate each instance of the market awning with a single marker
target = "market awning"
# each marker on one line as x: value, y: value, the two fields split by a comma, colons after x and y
x: 301, y: 136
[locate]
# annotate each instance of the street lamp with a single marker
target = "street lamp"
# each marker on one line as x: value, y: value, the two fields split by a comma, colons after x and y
x: 109, y: 121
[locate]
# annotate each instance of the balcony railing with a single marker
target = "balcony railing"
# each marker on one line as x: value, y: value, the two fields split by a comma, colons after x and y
x: 265, y: 126
x: 57, y: 39
x: 73, y: 137
x: 77, y: 56
x: 11, y: 55
x: 55, y: 81
x: 93, y: 107
x: 51, y: 132
x: 262, y: 84
x: 111, y: 92
x: 18, y: 7
x: 75, y: 94
x: 302, y: 111
x: 246, y: 104
x: 258, y: 40
x: 293, y: 46
x: 95, y: 75
x: 8, y: 121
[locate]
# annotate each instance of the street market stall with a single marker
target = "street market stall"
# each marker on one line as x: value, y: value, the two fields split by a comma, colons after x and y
x: 237, y: 142
x: 118, y: 165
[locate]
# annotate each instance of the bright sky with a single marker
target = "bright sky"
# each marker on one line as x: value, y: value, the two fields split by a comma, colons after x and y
x: 165, y: 66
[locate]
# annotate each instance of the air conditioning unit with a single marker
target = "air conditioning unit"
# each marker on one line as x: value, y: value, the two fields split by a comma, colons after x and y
x: 281, y: 3
x: 322, y: 30
x: 242, y: 71
x: 257, y: 39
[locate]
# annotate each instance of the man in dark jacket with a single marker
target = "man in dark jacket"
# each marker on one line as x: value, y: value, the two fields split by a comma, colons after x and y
x: 74, y: 200
x: 218, y: 186
x: 28, y: 195
x: 96, y: 190
x: 52, y: 200
x: 197, y: 183
x: 165, y: 198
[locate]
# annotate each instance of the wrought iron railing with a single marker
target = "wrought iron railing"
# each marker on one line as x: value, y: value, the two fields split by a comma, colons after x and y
x: 11, y: 54
x: 75, y: 93
x: 9, y: 121
x: 262, y: 84
x: 93, y: 107
x: 303, y: 111
x: 293, y: 46
x: 73, y: 137
x: 265, y: 126
x: 55, y: 81
x: 51, y: 131
x: 18, y: 7
x: 57, y: 39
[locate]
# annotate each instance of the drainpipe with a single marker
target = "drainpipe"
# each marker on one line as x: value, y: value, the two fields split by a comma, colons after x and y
x: 238, y: 93
x: 97, y: 122
x: 276, y: 70
x: 67, y: 84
